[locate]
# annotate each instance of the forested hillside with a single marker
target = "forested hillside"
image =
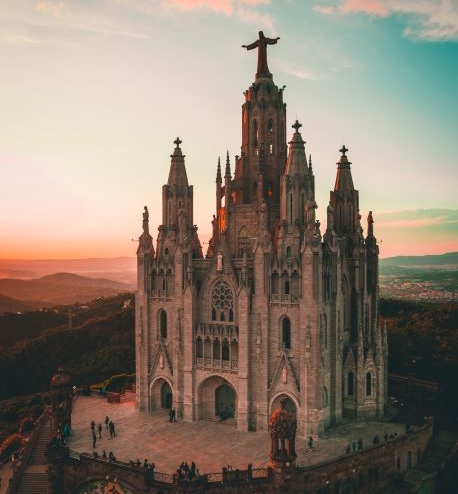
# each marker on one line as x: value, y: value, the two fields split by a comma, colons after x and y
x: 96, y: 343
x: 423, y: 342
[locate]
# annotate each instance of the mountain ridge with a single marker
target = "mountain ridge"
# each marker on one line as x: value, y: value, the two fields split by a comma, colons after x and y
x: 56, y: 289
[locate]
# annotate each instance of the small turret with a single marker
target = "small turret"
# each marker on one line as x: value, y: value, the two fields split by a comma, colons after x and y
x: 344, y: 199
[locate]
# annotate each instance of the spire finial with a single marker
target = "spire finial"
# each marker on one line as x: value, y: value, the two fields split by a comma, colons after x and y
x: 296, y: 125
x: 343, y: 150
x: 177, y: 142
x: 228, y: 165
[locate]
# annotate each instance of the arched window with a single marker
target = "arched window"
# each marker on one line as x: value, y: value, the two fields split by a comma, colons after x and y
x: 350, y: 383
x: 368, y: 384
x: 163, y: 324
x: 216, y: 349
x: 288, y: 252
x: 286, y: 333
x: 213, y: 314
x: 287, y: 287
x: 270, y: 132
x: 231, y: 315
x: 225, y: 350
x: 234, y: 350
x: 270, y: 126
x: 255, y: 134
x: 244, y: 241
x: 199, y: 347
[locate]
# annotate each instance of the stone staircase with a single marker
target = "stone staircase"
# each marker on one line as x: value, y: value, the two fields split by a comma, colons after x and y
x: 34, y: 478
x: 439, y: 448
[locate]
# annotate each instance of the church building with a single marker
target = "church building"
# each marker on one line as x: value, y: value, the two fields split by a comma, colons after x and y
x: 275, y: 309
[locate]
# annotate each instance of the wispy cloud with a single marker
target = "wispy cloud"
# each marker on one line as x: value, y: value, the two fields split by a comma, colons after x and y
x: 302, y: 74
x: 16, y: 39
x: 228, y: 7
x: 419, y: 218
x: 432, y: 20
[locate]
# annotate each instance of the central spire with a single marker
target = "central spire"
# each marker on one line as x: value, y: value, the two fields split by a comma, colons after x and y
x: 261, y: 45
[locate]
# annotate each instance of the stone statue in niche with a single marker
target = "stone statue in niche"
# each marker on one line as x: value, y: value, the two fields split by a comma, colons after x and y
x: 219, y: 261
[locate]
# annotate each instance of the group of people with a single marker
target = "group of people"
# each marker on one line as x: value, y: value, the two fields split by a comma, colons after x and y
x: 354, y: 446
x: 110, y: 456
x: 146, y: 465
x: 187, y: 472
x: 108, y: 425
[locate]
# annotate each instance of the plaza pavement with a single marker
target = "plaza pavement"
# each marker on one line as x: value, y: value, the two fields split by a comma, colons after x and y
x: 211, y: 445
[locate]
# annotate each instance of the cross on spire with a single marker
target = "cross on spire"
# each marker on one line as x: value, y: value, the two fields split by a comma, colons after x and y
x: 343, y: 149
x: 177, y: 142
x: 296, y: 125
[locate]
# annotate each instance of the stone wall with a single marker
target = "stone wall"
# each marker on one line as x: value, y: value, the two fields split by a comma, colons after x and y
x: 366, y: 471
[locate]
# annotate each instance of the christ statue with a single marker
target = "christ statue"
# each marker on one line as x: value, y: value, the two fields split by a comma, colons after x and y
x: 261, y: 45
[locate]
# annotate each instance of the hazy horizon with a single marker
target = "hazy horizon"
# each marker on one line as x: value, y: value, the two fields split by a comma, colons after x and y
x: 96, y: 93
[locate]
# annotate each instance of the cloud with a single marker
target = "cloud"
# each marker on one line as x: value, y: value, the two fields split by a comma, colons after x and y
x: 419, y: 218
x: 16, y: 39
x: 56, y: 9
x: 432, y: 20
x: 302, y: 74
x: 227, y: 7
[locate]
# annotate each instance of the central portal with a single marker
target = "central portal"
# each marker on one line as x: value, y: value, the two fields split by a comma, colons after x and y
x: 224, y: 402
x: 217, y: 399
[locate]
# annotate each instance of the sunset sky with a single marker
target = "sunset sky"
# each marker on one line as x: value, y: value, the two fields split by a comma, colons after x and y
x: 93, y: 93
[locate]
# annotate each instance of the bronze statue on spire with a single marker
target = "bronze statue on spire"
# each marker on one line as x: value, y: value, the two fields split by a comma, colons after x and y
x: 261, y: 45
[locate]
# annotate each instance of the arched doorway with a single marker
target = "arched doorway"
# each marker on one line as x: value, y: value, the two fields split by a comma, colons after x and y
x: 224, y: 402
x: 166, y: 396
x: 217, y: 398
x: 290, y: 405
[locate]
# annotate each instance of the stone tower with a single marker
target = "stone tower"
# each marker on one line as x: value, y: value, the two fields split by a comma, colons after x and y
x: 275, y: 311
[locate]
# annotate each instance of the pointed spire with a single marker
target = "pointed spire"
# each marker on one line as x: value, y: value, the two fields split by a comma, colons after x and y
x: 310, y: 163
x: 296, y: 163
x: 218, y: 171
x: 344, y: 179
x: 177, y: 173
x: 228, y: 166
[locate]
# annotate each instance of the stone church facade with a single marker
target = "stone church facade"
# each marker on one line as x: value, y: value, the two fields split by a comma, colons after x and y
x: 275, y: 309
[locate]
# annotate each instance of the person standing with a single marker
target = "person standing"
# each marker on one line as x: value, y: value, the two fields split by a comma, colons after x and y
x: 99, y: 428
x: 94, y: 439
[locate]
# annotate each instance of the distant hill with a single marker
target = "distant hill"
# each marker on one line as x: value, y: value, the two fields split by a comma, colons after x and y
x: 122, y: 269
x: 57, y: 289
x: 8, y: 304
x: 442, y: 260
x: 431, y: 277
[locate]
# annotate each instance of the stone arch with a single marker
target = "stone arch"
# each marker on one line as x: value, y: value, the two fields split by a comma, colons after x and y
x: 105, y: 484
x: 216, y: 397
x: 161, y: 394
x: 291, y: 403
